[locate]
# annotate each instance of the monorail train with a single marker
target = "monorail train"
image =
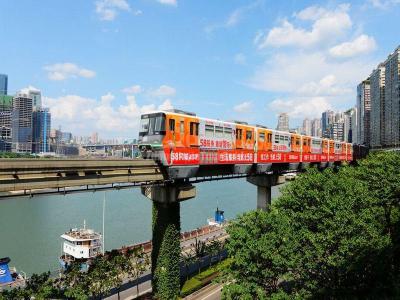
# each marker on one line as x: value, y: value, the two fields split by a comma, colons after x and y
x: 184, y: 142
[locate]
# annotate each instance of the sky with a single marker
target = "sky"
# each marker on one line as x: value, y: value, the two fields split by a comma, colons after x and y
x: 100, y: 64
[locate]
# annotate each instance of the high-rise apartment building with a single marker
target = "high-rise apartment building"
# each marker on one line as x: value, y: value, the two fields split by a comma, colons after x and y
x: 283, y: 122
x: 316, y: 127
x: 377, y: 121
x: 95, y: 138
x: 3, y: 84
x: 349, y: 126
x: 328, y: 117
x: 392, y: 99
x: 5, y: 122
x: 36, y: 96
x: 22, y: 124
x: 354, y: 124
x: 41, y: 124
x: 307, y: 126
x: 337, y: 131
x: 364, y: 111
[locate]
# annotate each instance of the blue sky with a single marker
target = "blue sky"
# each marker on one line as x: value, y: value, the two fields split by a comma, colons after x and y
x: 101, y: 63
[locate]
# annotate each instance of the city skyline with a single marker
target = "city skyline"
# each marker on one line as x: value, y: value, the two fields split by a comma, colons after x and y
x: 251, y: 59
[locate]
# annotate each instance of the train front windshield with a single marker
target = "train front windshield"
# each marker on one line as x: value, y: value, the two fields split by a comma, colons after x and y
x: 152, y: 124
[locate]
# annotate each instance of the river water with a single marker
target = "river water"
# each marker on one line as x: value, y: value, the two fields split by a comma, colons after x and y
x: 30, y: 228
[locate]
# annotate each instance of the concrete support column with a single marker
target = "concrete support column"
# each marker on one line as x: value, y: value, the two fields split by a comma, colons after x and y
x: 264, y: 184
x: 166, y: 249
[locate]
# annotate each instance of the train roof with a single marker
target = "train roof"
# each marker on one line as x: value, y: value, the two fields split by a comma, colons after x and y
x: 183, y: 113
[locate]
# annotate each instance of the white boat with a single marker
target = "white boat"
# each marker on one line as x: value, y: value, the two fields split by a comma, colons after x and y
x: 80, y: 245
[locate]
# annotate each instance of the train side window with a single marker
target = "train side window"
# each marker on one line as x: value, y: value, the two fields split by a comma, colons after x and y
x: 171, y: 124
x: 194, y: 128
x: 227, y: 133
x: 269, y: 137
x: 276, y: 139
x: 219, y: 132
x: 261, y: 136
x: 249, y: 135
x: 210, y: 131
x: 297, y: 142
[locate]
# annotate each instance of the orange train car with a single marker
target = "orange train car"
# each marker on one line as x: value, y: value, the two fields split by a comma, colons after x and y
x: 183, y: 141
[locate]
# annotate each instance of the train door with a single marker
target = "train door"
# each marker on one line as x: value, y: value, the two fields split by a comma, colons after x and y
x: 260, y: 139
x: 249, y: 135
x: 325, y: 146
x: 331, y: 147
x: 194, y: 133
x: 239, y: 137
x: 269, y: 140
x: 306, y: 144
x: 170, y: 136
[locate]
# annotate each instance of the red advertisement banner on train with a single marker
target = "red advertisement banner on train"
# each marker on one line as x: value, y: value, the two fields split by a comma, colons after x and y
x: 235, y: 156
x: 183, y: 156
x: 271, y: 157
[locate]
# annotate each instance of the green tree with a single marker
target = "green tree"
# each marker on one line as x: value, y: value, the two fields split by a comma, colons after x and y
x: 101, y: 277
x: 263, y: 249
x: 138, y: 263
x: 324, y: 237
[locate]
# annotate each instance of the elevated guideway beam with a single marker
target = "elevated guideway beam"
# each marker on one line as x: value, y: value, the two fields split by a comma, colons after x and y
x: 29, y: 175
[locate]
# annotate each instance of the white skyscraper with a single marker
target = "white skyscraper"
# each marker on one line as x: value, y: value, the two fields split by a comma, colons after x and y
x: 307, y: 126
x: 283, y: 122
x: 35, y: 95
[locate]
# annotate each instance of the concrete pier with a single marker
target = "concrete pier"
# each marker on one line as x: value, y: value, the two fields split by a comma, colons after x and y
x: 264, y: 184
x: 166, y: 250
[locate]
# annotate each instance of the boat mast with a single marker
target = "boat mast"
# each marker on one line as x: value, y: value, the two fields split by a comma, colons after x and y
x: 104, y: 213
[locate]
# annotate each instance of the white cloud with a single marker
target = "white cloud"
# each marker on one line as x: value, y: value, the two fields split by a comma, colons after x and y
x: 166, y: 105
x: 244, y: 107
x: 163, y: 91
x: 234, y: 17
x: 307, y: 78
x: 327, y: 86
x: 326, y: 25
x: 361, y: 45
x: 108, y: 9
x: 169, y: 2
x: 82, y: 115
x: 63, y: 71
x: 107, y: 99
x: 134, y: 89
x: 301, y: 107
x: 240, y: 59
x: 28, y: 89
x: 383, y: 4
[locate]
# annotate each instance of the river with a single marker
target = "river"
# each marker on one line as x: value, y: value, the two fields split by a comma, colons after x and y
x: 30, y: 228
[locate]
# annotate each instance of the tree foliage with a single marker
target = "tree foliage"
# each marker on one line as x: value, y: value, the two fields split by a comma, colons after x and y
x: 330, y: 235
x: 104, y: 273
x: 166, y: 250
